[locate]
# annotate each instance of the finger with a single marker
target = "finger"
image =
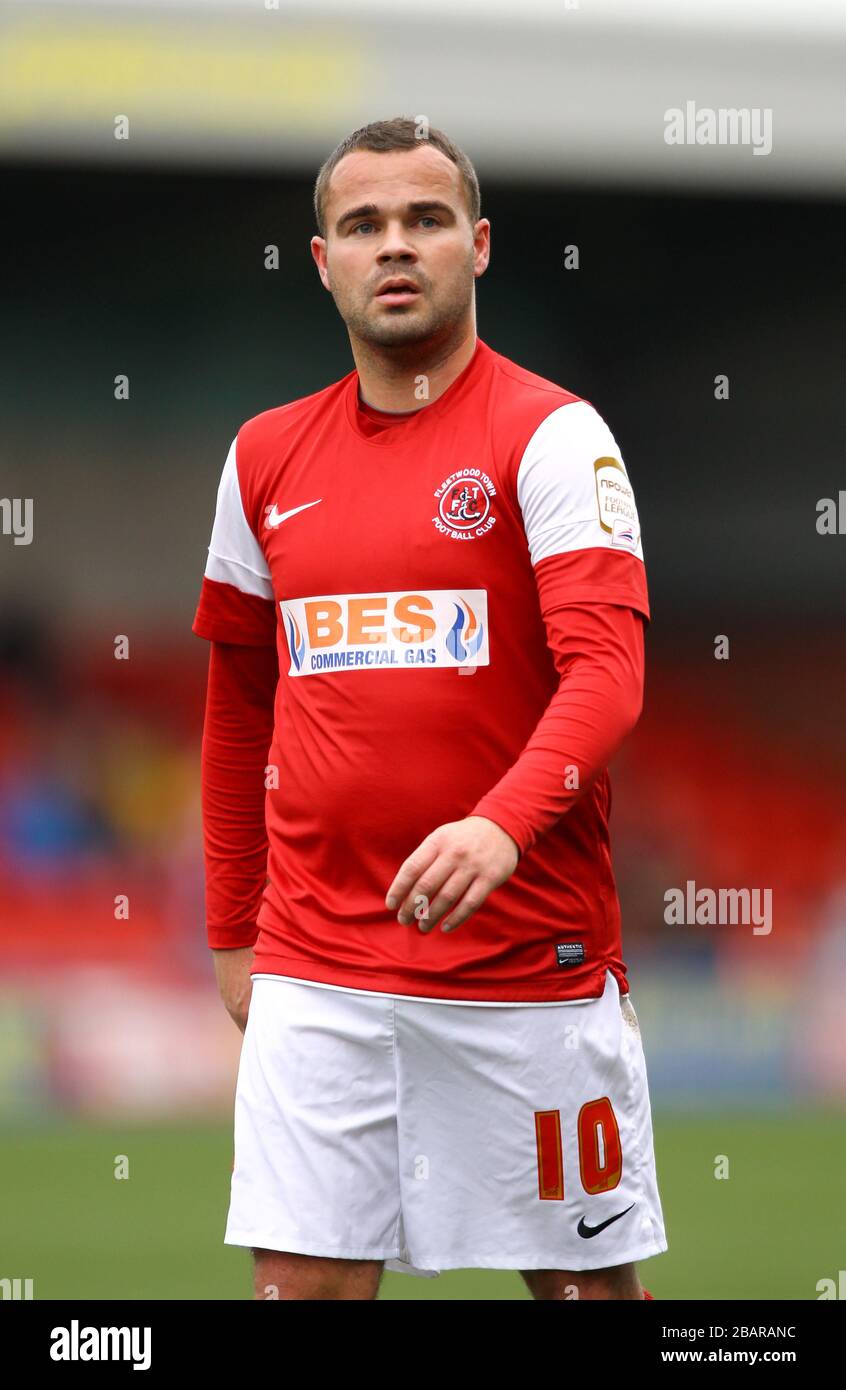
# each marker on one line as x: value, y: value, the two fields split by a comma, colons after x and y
x: 447, y: 896
x: 473, y: 898
x: 409, y: 872
x: 418, y: 903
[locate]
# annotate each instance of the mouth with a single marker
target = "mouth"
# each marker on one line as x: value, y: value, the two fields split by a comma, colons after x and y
x: 397, y: 292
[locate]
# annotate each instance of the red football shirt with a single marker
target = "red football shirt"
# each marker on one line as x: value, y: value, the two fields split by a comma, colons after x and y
x: 408, y: 573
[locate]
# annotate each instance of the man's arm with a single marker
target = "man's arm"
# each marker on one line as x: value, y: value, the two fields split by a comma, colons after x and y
x: 236, y: 613
x: 598, y: 650
x: 237, y: 733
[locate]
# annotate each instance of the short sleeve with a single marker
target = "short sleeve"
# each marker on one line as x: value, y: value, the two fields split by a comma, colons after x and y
x: 236, y: 603
x: 579, y: 513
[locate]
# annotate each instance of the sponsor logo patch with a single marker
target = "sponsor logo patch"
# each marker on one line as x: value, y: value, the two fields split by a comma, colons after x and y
x: 370, y: 632
x: 615, y: 500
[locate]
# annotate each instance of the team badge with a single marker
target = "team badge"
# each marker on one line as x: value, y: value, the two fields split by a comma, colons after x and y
x: 464, y: 505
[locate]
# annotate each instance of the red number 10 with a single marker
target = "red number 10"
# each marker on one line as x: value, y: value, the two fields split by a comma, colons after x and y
x: 600, y: 1152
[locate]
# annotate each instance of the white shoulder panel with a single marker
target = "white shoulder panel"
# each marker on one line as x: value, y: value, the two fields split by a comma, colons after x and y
x: 573, y: 488
x: 235, y: 556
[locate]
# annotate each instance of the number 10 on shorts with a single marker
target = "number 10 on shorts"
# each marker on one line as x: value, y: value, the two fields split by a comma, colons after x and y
x: 600, y: 1152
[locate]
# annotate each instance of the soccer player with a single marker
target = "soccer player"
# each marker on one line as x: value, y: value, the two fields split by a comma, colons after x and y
x: 426, y: 602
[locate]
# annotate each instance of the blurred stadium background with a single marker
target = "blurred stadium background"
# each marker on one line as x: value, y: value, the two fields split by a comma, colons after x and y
x: 146, y: 257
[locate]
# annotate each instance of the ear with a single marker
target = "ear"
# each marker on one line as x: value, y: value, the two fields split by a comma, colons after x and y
x: 481, y: 246
x: 318, y: 251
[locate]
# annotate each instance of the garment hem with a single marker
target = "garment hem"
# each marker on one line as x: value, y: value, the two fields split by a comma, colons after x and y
x: 432, y: 1264
x: 261, y: 968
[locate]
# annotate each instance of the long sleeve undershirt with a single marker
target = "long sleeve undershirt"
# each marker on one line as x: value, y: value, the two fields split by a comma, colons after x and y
x: 237, y: 734
x: 598, y: 649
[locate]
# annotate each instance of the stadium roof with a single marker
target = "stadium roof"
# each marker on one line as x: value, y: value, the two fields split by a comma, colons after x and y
x: 536, y: 89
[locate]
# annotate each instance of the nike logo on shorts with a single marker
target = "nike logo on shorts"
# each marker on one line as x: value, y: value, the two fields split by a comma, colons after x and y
x: 588, y: 1231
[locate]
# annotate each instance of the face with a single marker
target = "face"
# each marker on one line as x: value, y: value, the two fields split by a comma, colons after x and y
x: 400, y: 216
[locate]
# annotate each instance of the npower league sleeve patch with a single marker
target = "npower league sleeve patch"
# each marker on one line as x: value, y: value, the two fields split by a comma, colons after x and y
x: 615, y: 500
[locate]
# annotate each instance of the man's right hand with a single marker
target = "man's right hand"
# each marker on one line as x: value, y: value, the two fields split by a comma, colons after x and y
x: 233, y: 980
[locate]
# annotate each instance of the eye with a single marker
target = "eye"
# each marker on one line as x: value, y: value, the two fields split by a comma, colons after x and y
x: 358, y: 226
x: 427, y: 217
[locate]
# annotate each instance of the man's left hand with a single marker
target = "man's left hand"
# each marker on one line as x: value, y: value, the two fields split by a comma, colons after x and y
x: 453, y: 870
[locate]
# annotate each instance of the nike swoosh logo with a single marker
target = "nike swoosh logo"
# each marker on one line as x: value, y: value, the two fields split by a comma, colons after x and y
x: 588, y: 1231
x: 275, y: 518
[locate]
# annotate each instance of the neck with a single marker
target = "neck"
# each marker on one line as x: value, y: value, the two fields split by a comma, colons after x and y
x: 389, y: 378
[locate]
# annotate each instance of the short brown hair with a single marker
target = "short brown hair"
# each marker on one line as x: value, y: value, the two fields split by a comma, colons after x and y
x: 400, y: 133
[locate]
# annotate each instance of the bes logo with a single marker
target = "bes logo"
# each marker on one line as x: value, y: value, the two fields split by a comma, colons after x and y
x: 434, y: 628
x: 464, y: 505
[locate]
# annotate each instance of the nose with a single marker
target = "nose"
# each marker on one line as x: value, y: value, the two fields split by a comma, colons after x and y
x: 396, y: 244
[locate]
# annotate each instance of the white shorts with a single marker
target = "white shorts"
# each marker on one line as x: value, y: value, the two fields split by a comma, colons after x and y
x: 433, y: 1135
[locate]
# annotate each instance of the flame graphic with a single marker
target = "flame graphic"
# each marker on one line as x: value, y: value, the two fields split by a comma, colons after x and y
x: 462, y: 644
x: 296, y: 641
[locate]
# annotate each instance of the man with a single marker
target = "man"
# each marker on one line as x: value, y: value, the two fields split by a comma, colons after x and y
x: 425, y: 595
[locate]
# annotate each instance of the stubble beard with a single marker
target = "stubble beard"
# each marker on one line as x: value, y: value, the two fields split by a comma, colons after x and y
x: 407, y: 326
